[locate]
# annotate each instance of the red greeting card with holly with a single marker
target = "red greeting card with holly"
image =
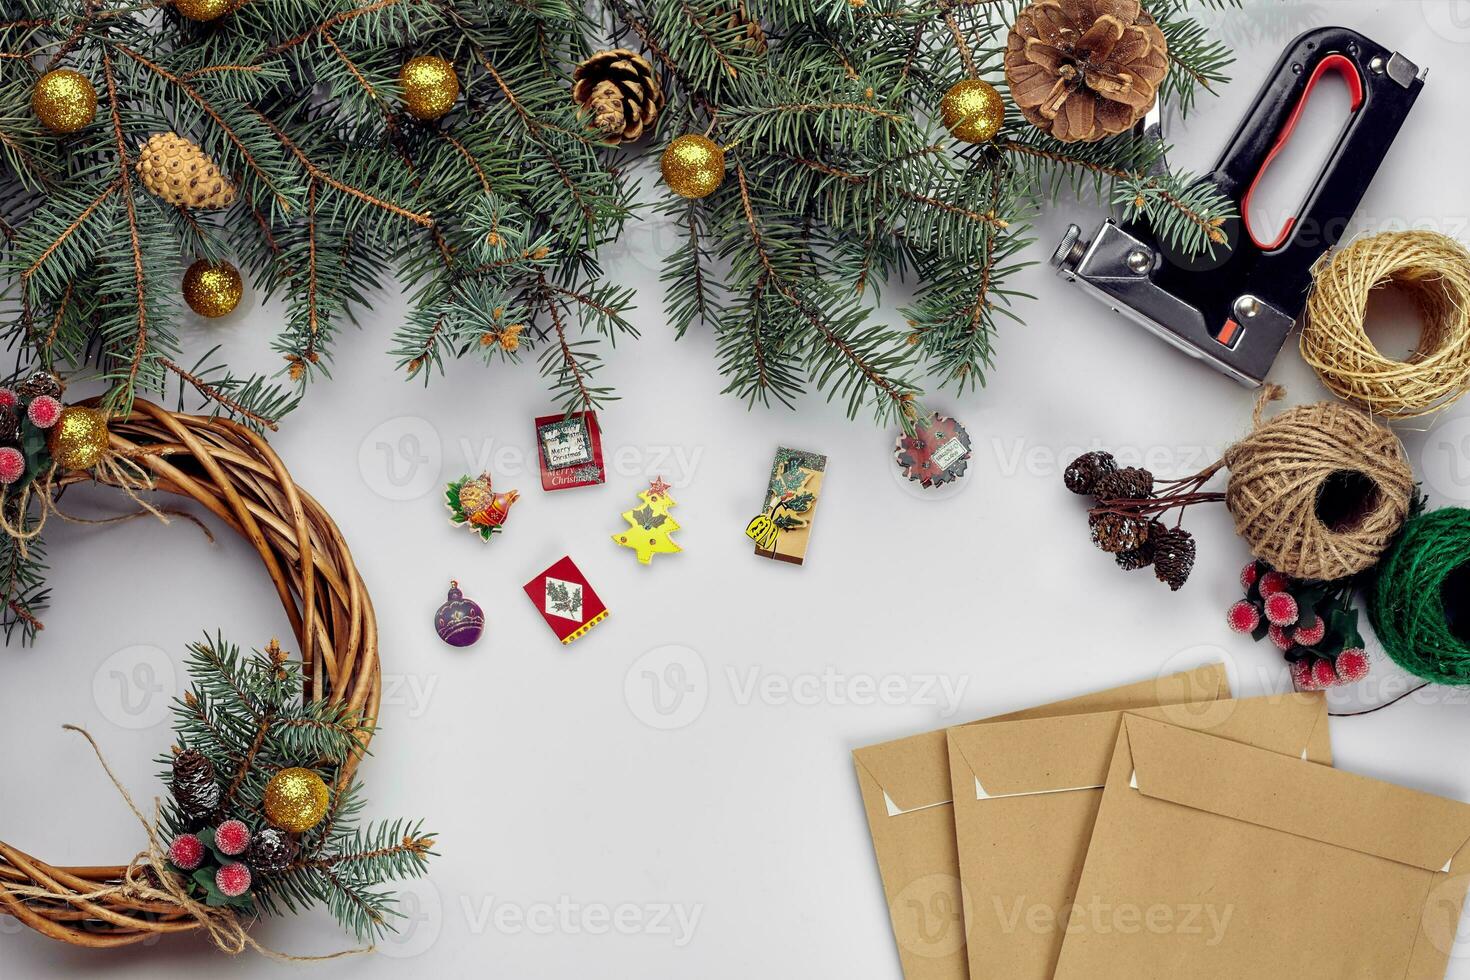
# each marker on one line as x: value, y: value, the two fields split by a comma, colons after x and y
x: 566, y: 600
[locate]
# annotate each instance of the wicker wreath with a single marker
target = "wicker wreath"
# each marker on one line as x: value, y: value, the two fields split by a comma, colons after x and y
x: 234, y: 474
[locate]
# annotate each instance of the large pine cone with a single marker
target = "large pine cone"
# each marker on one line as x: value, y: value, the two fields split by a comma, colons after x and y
x: 194, y: 786
x: 619, y: 92
x: 271, y: 851
x: 1084, y: 69
x: 1173, y: 556
x: 178, y: 171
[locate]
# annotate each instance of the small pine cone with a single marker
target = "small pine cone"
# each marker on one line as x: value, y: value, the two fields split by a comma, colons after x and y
x: 1117, y: 533
x: 9, y: 427
x: 1173, y: 556
x: 1143, y: 555
x: 176, y: 170
x: 271, y: 851
x: 755, y: 37
x: 38, y: 384
x: 1130, y: 483
x: 619, y: 92
x: 194, y: 786
x: 1086, y: 470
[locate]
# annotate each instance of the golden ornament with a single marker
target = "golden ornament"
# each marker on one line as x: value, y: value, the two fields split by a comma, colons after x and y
x: 972, y: 110
x: 693, y: 165
x: 295, y: 800
x: 203, y: 10
x: 79, y: 439
x: 178, y: 171
x: 212, y: 290
x: 64, y: 100
x: 430, y: 87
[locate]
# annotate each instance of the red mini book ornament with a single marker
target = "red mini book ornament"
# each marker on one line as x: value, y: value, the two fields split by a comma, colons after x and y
x: 570, y: 450
x: 566, y: 600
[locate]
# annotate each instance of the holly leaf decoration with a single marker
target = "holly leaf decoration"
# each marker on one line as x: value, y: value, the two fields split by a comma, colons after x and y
x: 801, y: 503
x: 647, y: 519
x: 787, y: 523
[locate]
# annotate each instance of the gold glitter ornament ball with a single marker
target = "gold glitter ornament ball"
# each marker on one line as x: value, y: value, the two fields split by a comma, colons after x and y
x: 202, y: 10
x: 693, y: 165
x: 78, y: 440
x: 212, y: 290
x: 295, y: 800
x: 972, y: 110
x: 430, y: 87
x: 64, y: 100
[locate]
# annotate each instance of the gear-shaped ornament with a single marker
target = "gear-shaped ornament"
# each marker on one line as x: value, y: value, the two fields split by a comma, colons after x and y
x: 937, y: 453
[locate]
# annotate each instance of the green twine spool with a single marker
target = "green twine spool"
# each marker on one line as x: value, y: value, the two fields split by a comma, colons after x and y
x: 1420, y: 605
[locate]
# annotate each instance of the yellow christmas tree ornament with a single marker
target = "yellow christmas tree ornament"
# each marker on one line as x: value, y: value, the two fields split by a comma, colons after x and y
x: 295, y: 800
x: 430, y: 87
x: 212, y: 290
x: 203, y: 10
x: 79, y: 439
x: 693, y: 165
x: 972, y: 110
x: 64, y: 100
x: 650, y: 525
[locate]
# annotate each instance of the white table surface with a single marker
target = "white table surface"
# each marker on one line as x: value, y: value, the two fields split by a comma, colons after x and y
x: 580, y: 838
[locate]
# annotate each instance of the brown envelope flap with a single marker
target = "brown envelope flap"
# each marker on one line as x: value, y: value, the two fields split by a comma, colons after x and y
x: 1050, y: 755
x: 913, y: 772
x: 1258, y: 786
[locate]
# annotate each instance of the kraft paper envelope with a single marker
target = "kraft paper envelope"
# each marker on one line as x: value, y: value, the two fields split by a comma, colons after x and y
x: 1211, y: 859
x: 1025, y: 797
x: 905, y: 787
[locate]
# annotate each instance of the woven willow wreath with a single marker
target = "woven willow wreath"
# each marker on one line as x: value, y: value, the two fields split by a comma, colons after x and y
x: 234, y: 474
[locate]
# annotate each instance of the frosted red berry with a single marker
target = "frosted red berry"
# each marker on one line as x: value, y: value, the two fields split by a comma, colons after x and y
x: 1281, y: 608
x: 43, y: 411
x: 12, y: 464
x: 233, y: 880
x: 1249, y: 574
x: 232, y: 837
x: 8, y: 398
x: 1281, y: 638
x: 1352, y: 664
x: 186, y: 852
x: 1243, y: 616
x: 1310, y: 636
x: 1323, y: 674
x: 1273, y: 582
x: 1301, y: 676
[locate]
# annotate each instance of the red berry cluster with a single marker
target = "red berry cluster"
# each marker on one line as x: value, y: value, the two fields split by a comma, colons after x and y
x: 27, y: 412
x: 1312, y: 623
x: 220, y: 860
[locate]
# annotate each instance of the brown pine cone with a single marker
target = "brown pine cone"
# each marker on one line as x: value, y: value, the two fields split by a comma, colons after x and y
x: 1082, y: 474
x: 9, y: 427
x: 178, y: 171
x: 1117, y: 532
x: 194, y: 786
x: 1129, y: 483
x: 38, y: 384
x: 1084, y: 69
x: 1143, y: 555
x: 1173, y: 556
x: 755, y: 37
x: 271, y: 850
x: 620, y: 93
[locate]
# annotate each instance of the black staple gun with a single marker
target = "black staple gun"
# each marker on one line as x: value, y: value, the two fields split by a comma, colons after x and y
x: 1234, y: 308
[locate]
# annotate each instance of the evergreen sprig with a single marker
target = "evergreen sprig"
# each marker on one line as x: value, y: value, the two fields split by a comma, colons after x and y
x: 247, y: 716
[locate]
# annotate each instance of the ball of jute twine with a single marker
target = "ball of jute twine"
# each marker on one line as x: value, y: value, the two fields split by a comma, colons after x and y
x: 1409, y: 605
x: 1431, y: 268
x: 1289, y: 478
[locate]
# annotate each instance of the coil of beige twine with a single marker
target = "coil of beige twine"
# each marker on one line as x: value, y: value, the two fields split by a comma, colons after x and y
x: 1431, y: 268
x: 1320, y: 490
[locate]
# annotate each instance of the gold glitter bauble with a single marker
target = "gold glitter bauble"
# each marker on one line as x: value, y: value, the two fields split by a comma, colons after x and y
x: 212, y: 290
x: 972, y: 110
x: 78, y: 440
x: 693, y: 165
x: 64, y: 100
x: 430, y: 87
x: 202, y: 10
x: 295, y: 800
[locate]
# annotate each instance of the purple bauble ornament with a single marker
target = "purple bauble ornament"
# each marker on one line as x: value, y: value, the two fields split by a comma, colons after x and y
x: 460, y: 621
